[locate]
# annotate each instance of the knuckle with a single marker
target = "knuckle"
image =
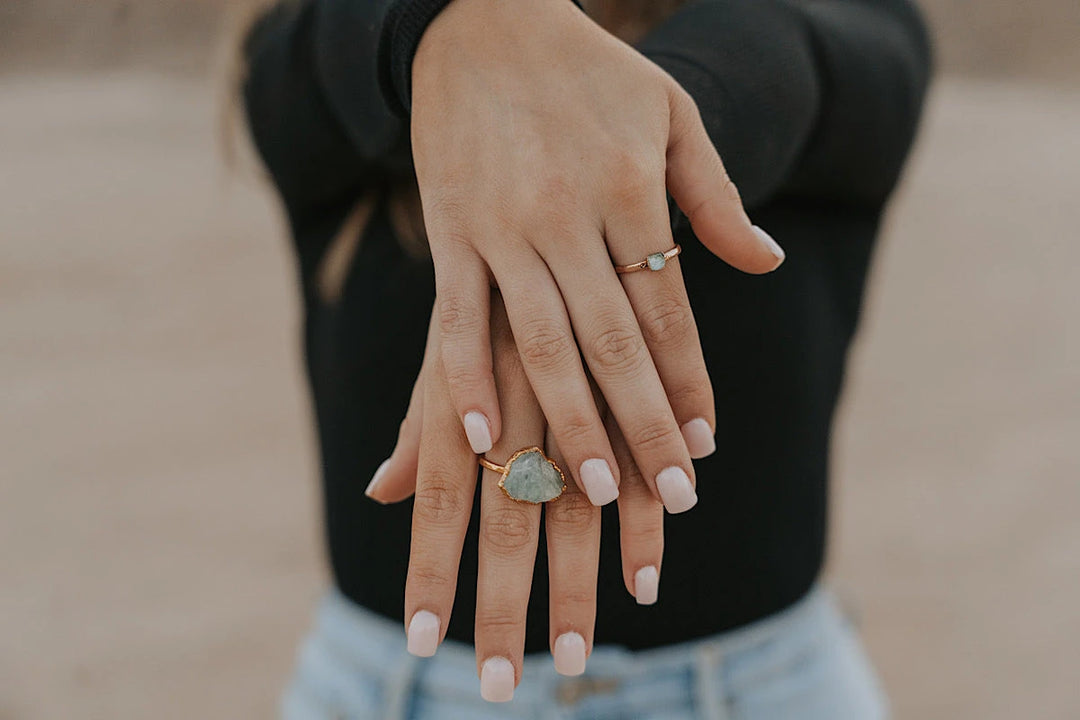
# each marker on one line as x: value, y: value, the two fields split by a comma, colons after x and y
x: 697, y: 394
x: 451, y: 219
x: 430, y: 576
x: 668, y: 322
x: 508, y: 530
x: 729, y: 189
x: 575, y: 598
x: 500, y: 619
x: 459, y: 316
x: 439, y: 499
x: 574, y: 429
x: 637, y: 174
x: 654, y: 436
x: 572, y: 516
x: 544, y: 345
x: 644, y: 536
x: 617, y: 349
x: 465, y: 381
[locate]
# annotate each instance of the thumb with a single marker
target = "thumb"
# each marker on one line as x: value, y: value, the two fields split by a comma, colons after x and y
x: 698, y: 182
x: 395, y: 480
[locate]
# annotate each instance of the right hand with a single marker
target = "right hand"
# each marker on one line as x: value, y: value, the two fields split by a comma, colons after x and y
x: 544, y: 149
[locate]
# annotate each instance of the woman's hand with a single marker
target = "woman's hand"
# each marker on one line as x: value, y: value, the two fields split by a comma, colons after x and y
x: 433, y: 458
x: 544, y: 149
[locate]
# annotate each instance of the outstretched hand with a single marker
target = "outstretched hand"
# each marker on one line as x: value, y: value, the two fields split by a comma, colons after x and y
x: 544, y: 149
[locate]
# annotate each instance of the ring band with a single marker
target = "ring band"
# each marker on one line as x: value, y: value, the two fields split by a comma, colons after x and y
x: 656, y: 261
x: 528, y: 476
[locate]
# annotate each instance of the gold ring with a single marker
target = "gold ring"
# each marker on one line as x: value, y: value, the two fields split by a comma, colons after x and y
x: 529, y: 476
x: 654, y: 262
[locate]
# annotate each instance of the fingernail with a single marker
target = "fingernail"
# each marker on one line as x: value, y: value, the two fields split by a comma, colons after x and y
x: 675, y: 490
x: 423, y: 633
x: 774, y: 247
x: 569, y: 654
x: 379, y: 475
x: 497, y: 680
x: 598, y: 481
x: 646, y: 585
x: 699, y: 438
x: 478, y: 431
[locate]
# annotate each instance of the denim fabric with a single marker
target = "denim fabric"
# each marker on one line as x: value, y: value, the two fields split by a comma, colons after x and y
x: 805, y: 663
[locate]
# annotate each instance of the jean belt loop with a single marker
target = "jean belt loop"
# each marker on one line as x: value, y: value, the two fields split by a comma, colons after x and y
x: 709, y: 691
x: 398, y: 688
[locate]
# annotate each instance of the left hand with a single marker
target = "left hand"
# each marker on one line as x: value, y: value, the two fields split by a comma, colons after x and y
x: 434, y: 460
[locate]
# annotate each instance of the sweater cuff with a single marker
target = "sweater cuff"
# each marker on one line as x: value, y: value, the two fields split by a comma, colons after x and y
x: 405, y: 23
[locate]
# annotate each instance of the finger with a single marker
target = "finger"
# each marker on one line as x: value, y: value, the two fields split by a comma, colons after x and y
x: 463, y: 289
x: 395, y: 479
x: 573, y: 546
x: 619, y: 361
x: 549, y: 353
x: 445, y: 487
x: 509, y: 531
x: 700, y: 185
x: 641, y: 525
x: 635, y: 229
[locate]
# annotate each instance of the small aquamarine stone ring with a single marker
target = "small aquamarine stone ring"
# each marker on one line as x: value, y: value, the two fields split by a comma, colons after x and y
x: 653, y: 262
x: 529, y: 476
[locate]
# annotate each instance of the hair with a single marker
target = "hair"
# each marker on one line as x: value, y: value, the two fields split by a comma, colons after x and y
x: 628, y: 20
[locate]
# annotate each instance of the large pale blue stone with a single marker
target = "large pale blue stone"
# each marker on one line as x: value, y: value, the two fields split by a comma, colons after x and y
x: 656, y: 261
x: 533, y: 478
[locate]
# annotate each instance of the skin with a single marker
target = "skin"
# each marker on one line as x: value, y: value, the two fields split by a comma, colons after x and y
x: 535, y: 177
x: 433, y: 461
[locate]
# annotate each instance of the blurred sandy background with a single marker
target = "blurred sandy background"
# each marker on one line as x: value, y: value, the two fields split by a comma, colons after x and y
x: 159, y: 544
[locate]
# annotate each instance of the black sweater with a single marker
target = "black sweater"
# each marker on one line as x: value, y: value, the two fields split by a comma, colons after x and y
x: 812, y: 104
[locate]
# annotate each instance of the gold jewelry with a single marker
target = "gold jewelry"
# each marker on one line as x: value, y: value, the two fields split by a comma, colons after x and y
x: 654, y: 262
x: 529, y: 476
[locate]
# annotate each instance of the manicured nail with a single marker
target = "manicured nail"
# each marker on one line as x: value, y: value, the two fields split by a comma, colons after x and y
x: 675, y: 490
x: 478, y: 430
x: 379, y: 475
x: 569, y: 654
x: 774, y: 247
x: 423, y: 633
x: 598, y: 481
x: 699, y: 438
x: 646, y: 585
x: 497, y: 680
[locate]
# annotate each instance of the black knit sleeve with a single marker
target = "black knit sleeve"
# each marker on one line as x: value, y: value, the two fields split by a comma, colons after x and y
x: 818, y: 98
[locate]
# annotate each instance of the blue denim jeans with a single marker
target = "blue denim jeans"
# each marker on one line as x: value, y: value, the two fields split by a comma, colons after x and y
x: 804, y: 663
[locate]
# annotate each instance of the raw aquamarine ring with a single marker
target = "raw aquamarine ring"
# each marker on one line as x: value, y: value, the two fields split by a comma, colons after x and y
x: 529, y: 476
x: 654, y: 262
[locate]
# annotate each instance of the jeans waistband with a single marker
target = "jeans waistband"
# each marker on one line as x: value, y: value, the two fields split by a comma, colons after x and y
x: 374, y: 646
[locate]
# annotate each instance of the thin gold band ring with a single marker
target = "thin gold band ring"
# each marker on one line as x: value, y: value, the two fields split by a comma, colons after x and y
x: 655, y: 262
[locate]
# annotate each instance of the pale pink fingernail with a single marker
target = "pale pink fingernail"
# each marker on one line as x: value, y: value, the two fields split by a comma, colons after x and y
x: 376, y: 478
x: 646, y: 585
x: 598, y: 481
x: 497, y: 680
x: 478, y: 431
x: 675, y: 490
x: 569, y: 654
x: 423, y: 633
x: 773, y: 246
x: 699, y: 438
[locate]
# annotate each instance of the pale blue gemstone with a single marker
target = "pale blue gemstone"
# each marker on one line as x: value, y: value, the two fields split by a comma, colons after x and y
x: 533, y: 478
x: 656, y: 261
